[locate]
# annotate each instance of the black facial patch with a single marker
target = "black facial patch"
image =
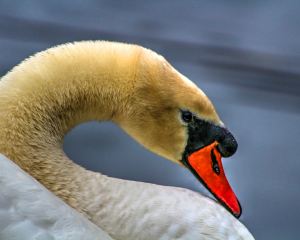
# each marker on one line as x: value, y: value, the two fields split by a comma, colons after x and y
x: 201, y: 133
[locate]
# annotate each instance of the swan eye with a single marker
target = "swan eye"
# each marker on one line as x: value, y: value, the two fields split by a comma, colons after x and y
x: 186, y: 116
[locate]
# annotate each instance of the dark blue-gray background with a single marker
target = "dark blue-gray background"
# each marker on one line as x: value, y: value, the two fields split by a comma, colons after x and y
x: 244, y: 54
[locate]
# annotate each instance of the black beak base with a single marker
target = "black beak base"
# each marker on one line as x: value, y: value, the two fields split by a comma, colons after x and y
x: 202, y: 133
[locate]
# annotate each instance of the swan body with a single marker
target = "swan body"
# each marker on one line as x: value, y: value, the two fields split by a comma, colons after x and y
x: 29, y: 211
x: 48, y: 94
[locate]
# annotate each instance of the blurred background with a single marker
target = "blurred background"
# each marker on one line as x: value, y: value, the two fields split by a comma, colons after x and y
x: 244, y: 54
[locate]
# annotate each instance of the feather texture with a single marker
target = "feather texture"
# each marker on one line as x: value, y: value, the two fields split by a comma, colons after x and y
x: 28, y: 211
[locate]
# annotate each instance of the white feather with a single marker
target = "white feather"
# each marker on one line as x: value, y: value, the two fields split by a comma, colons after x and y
x: 28, y: 211
x: 145, y: 211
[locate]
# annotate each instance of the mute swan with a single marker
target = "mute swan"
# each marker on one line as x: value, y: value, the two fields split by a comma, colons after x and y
x: 48, y: 94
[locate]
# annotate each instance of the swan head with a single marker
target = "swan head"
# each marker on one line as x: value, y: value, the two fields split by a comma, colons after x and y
x: 172, y: 117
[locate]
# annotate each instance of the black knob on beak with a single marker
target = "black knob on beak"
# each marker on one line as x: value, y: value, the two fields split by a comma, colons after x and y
x: 202, y: 133
x: 227, y: 144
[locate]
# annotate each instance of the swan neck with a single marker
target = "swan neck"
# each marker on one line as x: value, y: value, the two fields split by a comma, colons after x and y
x: 52, y: 92
x: 49, y: 94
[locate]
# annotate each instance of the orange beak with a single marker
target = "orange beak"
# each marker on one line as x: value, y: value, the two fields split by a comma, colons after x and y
x: 206, y: 164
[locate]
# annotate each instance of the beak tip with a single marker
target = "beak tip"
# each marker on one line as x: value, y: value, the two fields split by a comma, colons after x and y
x: 238, y: 213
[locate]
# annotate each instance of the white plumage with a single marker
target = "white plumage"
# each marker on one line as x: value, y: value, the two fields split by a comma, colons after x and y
x: 28, y: 211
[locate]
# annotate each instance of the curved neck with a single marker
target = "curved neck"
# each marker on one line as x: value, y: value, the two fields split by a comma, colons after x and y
x: 47, y: 95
